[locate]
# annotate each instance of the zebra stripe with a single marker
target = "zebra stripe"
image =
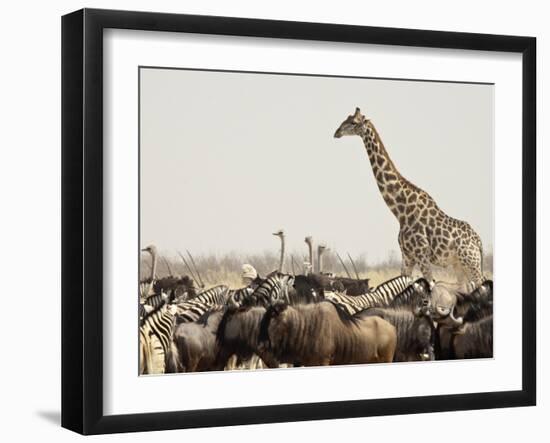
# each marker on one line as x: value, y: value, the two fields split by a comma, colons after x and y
x: 237, y: 296
x: 275, y: 289
x: 412, y: 296
x: 156, y: 300
x: 192, y: 309
x: 155, y: 336
x: 381, y: 296
x: 216, y: 295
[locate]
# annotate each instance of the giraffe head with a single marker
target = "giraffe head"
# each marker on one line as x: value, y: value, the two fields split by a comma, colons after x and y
x: 353, y: 125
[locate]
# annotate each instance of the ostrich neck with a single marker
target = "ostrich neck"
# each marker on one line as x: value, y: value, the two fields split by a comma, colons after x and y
x: 319, y: 261
x: 311, y: 259
x: 282, y: 259
x: 154, y: 260
x: 393, y: 187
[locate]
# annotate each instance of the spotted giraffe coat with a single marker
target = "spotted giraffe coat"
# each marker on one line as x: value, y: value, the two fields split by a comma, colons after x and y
x: 427, y: 236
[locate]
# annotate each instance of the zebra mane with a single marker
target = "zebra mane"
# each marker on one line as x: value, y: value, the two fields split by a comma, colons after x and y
x: 391, y: 281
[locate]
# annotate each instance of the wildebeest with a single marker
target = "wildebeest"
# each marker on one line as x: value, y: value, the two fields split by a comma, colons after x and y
x: 198, y: 349
x: 443, y: 300
x: 324, y: 333
x: 415, y: 332
x: 351, y: 286
x: 183, y: 287
x: 474, y: 340
x: 238, y: 334
x: 450, y: 305
x: 309, y: 288
x: 477, y: 304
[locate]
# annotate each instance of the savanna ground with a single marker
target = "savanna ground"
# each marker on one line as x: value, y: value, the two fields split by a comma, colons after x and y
x: 226, y: 268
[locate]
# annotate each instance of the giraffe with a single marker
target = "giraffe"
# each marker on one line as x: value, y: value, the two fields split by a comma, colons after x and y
x: 427, y: 236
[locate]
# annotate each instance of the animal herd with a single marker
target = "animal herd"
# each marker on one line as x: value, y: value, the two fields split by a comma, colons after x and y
x: 302, y: 320
x: 316, y: 319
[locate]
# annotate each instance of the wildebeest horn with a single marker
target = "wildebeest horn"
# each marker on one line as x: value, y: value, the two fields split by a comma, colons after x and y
x: 353, y: 263
x: 456, y: 321
x: 442, y: 311
x: 167, y: 266
x: 195, y: 267
x: 343, y: 265
x: 188, y: 267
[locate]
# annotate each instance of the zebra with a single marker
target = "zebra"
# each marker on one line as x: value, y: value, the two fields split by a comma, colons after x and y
x: 381, y: 296
x: 158, y: 299
x: 237, y: 296
x: 191, y: 310
x: 276, y: 288
x: 157, y: 352
x: 216, y: 295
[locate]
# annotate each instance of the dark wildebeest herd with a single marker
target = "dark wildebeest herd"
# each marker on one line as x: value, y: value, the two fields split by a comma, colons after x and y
x: 309, y: 320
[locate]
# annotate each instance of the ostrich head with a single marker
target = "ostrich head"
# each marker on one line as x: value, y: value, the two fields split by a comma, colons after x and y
x: 279, y: 233
x: 353, y: 125
x: 151, y: 249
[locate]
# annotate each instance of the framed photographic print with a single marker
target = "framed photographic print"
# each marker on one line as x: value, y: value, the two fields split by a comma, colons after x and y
x: 269, y: 221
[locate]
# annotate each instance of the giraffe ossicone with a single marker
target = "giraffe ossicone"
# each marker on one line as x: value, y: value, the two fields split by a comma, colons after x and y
x: 427, y: 236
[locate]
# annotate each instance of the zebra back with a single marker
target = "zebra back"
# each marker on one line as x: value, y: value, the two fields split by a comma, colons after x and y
x: 216, y: 295
x: 191, y: 311
x: 274, y: 289
x: 381, y: 296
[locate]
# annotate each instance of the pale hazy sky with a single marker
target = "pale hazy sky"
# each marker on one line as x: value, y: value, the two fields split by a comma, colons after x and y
x: 228, y: 158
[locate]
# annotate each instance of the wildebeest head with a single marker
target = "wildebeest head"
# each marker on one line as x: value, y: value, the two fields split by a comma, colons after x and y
x: 443, y: 302
x: 274, y: 311
x: 478, y: 303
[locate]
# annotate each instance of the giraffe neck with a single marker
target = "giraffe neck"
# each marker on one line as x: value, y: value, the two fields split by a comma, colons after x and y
x: 394, y: 188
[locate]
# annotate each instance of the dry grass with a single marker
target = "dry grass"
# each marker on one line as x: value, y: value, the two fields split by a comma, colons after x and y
x: 226, y: 269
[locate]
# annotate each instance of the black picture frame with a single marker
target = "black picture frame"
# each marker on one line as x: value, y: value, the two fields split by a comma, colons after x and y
x: 82, y: 220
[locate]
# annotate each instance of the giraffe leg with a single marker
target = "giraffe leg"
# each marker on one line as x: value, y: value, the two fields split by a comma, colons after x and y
x: 471, y: 263
x: 426, y: 269
x: 462, y: 276
x: 407, y: 265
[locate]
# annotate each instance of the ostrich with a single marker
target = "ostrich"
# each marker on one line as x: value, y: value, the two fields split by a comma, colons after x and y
x: 152, y: 250
x: 320, y: 251
x: 309, y: 242
x: 281, y: 234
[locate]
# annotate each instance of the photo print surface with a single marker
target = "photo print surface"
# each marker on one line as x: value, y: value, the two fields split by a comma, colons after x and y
x: 300, y: 220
